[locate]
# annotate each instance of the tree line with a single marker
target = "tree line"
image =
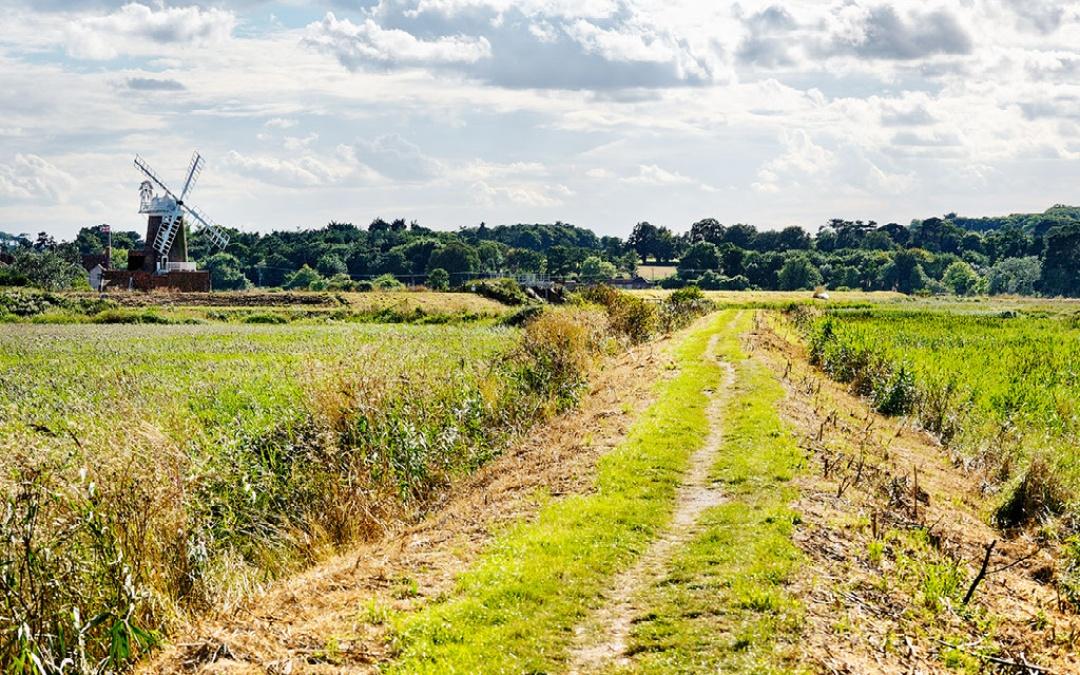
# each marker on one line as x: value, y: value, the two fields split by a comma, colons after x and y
x: 1020, y: 254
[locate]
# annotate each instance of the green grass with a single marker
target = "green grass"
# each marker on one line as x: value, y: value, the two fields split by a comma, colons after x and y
x: 723, y: 605
x: 1001, y: 386
x: 516, y: 609
x: 152, y: 470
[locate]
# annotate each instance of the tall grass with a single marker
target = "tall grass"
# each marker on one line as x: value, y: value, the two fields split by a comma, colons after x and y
x: 1002, y: 389
x: 152, y: 471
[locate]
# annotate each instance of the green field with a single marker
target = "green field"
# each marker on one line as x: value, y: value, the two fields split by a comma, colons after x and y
x: 201, y: 461
x: 999, y: 385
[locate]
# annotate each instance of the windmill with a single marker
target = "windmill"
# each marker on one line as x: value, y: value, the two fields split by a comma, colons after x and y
x: 165, y: 233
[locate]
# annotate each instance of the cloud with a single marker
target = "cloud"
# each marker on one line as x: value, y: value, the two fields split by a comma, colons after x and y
x: 135, y: 27
x: 397, y: 159
x: 279, y: 123
x: 1042, y: 16
x: 360, y: 45
x: 651, y: 174
x: 32, y: 178
x: 308, y: 171
x: 154, y: 84
x: 881, y: 33
x: 537, y: 45
x: 485, y: 194
x: 801, y: 159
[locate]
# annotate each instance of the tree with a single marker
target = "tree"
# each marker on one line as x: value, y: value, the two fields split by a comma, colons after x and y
x: 595, y: 268
x: 492, y: 255
x: 698, y: 258
x: 905, y: 272
x: 48, y: 269
x: 741, y: 235
x: 666, y: 247
x: 303, y: 279
x: 225, y: 272
x: 643, y: 240
x: 793, y: 239
x: 438, y: 279
x: 707, y: 230
x: 798, y: 273
x: 526, y: 261
x: 1061, y: 261
x: 457, y: 258
x: 1015, y: 276
x: 960, y: 278
x: 329, y: 265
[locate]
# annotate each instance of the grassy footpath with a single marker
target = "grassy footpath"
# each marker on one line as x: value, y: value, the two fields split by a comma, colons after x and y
x: 723, y: 606
x: 515, y: 611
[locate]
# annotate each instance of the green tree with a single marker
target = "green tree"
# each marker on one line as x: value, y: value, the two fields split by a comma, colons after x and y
x: 960, y: 278
x: 595, y: 268
x: 304, y: 278
x: 643, y: 240
x: 698, y: 258
x: 331, y: 264
x: 225, y: 272
x: 1015, y: 276
x: 1061, y: 261
x: 797, y: 273
x: 905, y: 273
x: 457, y: 258
x: 49, y: 269
x: 438, y: 279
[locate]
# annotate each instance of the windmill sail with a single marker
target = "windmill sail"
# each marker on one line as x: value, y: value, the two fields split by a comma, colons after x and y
x: 212, y: 229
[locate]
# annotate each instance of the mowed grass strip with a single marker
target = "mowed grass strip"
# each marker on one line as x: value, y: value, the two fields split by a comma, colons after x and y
x: 723, y: 604
x: 516, y: 610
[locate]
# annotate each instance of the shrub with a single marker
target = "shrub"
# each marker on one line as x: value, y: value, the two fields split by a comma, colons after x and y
x: 303, y: 278
x: 556, y: 351
x: 438, y: 279
x: 631, y: 317
x: 131, y: 316
x: 1040, y: 493
x: 506, y: 291
x: 363, y: 286
x: 387, y: 282
x: 895, y: 393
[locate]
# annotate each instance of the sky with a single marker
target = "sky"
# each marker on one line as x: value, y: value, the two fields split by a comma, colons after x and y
x: 601, y: 113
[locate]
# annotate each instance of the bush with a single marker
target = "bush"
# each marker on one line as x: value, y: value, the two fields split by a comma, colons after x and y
x: 387, y: 282
x: 363, y: 286
x: 522, y: 316
x: 631, y: 317
x: 1040, y: 493
x: 506, y: 291
x: 438, y: 279
x: 131, y: 316
x: 340, y: 282
x: 304, y: 278
x: 556, y: 351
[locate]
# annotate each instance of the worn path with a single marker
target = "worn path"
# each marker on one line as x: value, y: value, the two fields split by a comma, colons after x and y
x: 602, y: 640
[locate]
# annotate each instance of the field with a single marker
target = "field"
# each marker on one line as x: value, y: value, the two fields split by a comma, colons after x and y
x: 441, y: 483
x: 1001, y: 386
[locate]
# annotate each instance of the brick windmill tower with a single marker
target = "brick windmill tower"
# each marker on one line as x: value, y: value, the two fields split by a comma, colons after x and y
x: 164, y: 262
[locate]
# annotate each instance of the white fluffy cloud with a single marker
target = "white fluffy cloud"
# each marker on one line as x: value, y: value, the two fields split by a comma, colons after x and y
x: 32, y: 178
x: 367, y: 43
x: 136, y: 27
